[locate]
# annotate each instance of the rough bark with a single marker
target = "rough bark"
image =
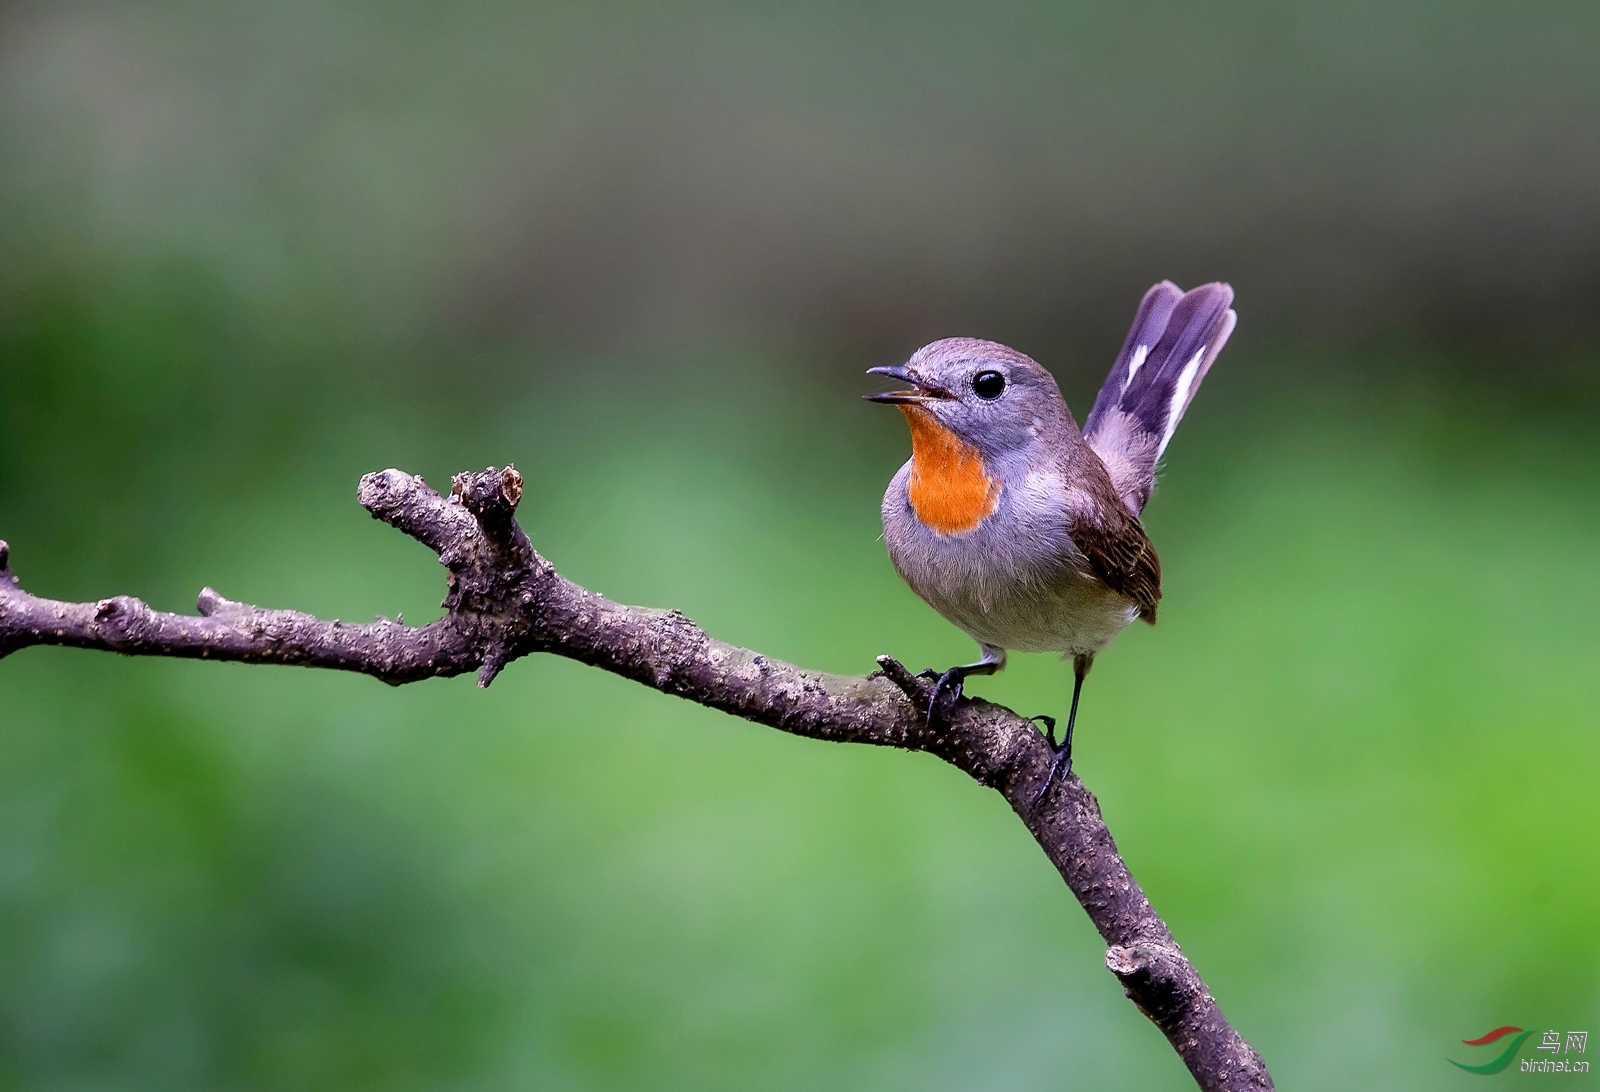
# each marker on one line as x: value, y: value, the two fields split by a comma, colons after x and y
x: 505, y: 601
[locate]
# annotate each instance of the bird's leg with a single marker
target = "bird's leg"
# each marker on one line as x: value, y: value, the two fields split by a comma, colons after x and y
x: 1062, y: 766
x: 951, y: 682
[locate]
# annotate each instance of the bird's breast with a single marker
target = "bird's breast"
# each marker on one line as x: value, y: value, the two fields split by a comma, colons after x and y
x: 949, y: 489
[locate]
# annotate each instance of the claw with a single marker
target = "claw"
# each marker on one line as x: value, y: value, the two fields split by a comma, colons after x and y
x: 952, y: 682
x: 1049, y: 729
x: 1060, y: 768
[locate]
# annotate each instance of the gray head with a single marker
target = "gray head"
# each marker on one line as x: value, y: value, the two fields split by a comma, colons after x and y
x: 995, y: 398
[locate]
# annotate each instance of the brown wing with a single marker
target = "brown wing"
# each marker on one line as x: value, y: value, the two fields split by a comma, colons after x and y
x: 1120, y: 555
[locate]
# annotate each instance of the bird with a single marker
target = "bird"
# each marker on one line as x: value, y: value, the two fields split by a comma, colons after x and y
x: 1017, y: 527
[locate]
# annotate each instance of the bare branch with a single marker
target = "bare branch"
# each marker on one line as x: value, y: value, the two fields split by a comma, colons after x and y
x: 505, y: 601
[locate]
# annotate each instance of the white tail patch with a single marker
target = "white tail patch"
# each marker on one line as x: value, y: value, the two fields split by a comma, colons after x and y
x: 1180, y: 398
x: 1133, y: 365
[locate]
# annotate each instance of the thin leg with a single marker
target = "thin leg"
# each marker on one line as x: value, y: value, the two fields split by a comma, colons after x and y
x: 951, y: 682
x: 1062, y: 766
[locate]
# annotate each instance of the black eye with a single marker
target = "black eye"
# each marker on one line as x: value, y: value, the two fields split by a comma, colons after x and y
x: 988, y: 384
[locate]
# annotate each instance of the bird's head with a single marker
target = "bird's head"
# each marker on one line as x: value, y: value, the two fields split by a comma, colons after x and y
x: 989, y: 396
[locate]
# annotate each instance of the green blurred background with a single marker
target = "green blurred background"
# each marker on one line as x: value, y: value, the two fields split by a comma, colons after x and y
x: 248, y: 253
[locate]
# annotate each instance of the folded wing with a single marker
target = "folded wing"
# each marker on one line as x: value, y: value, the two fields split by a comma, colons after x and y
x: 1120, y: 554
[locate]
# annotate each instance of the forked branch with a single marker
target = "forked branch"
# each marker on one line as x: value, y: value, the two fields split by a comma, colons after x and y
x: 505, y: 601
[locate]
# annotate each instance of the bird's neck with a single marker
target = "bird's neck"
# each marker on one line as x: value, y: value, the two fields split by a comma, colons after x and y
x: 949, y: 489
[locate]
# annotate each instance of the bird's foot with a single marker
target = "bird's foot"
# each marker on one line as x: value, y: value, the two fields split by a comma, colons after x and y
x: 1060, y: 769
x: 947, y: 686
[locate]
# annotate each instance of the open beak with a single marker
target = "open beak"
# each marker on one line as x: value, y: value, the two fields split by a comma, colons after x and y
x: 919, y: 394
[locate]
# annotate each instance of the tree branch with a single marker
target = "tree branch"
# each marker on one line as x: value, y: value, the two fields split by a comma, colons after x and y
x: 505, y: 601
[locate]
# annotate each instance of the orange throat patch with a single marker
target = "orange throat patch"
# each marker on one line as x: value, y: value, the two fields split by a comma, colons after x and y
x: 948, y: 488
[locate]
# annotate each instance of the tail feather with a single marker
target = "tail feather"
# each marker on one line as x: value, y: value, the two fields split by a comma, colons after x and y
x: 1175, y: 338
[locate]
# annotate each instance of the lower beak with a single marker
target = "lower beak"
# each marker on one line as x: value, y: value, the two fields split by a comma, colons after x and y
x: 920, y: 394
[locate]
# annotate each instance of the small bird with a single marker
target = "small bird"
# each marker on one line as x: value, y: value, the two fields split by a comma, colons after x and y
x: 1015, y: 526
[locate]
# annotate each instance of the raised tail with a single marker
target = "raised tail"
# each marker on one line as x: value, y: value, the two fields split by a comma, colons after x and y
x: 1175, y: 337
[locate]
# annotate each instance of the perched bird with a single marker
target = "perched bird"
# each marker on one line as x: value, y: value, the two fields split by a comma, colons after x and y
x: 1020, y: 529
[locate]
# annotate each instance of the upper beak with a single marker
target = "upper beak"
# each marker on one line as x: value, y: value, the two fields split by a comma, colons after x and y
x: 921, y: 391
